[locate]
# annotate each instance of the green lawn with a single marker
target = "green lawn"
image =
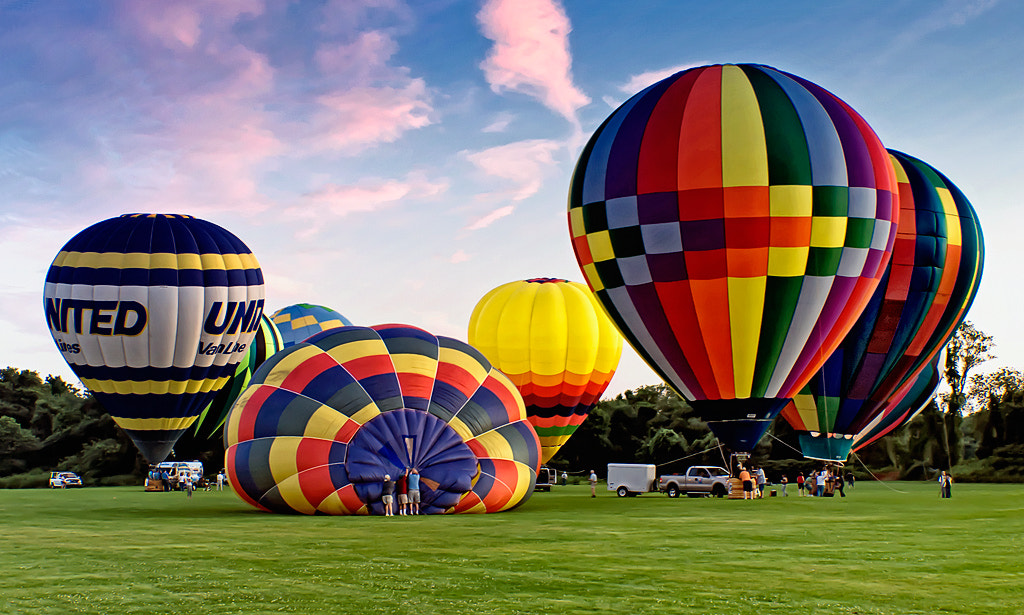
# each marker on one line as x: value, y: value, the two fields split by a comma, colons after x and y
x: 887, y: 548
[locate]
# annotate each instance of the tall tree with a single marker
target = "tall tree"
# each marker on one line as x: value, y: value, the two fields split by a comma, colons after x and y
x: 968, y: 348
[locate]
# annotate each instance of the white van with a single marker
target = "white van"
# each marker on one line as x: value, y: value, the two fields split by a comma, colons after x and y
x: 631, y: 478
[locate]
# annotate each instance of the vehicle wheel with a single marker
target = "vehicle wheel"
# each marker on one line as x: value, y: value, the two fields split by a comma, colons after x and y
x: 718, y: 491
x: 622, y: 492
x: 672, y: 491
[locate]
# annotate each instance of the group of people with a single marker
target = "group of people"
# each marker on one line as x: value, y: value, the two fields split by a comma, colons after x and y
x: 820, y: 483
x: 186, y: 482
x: 754, y: 482
x: 825, y: 481
x: 408, y: 489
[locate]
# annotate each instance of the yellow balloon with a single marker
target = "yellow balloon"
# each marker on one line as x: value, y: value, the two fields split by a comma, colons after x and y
x: 555, y: 343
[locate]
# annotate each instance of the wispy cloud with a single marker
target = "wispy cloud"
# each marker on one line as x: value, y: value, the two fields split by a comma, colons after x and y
x: 340, y: 200
x: 530, y: 54
x: 951, y: 14
x: 490, y: 218
x: 522, y: 166
x: 638, y: 82
x: 500, y: 123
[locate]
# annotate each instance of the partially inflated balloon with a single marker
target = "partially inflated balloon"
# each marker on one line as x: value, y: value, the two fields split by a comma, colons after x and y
x: 302, y: 320
x: 153, y: 312
x: 734, y: 221
x: 325, y: 420
x: 266, y: 342
x: 554, y: 341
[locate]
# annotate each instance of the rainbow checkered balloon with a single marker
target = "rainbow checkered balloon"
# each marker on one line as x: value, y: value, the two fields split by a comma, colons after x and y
x: 734, y: 221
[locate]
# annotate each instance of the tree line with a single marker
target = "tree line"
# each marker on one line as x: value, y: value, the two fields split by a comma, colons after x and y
x: 975, y: 429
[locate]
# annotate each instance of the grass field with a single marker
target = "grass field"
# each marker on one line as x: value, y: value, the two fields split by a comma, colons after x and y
x: 887, y: 548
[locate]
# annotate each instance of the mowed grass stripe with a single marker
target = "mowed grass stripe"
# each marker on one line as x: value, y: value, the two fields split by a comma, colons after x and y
x: 878, y: 551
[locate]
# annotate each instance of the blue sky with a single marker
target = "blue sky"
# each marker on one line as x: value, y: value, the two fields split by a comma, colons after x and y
x: 395, y: 161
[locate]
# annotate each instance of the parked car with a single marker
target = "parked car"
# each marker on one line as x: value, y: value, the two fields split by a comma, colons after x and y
x: 697, y: 482
x: 61, y: 480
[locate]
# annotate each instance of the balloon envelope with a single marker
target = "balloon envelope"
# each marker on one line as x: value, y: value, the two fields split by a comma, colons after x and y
x: 323, y: 421
x: 903, y: 407
x: 299, y: 321
x: 554, y: 341
x: 153, y: 312
x: 266, y: 342
x: 930, y: 282
x: 734, y: 220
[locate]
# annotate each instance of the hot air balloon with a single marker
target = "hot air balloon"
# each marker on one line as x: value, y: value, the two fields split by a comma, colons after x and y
x: 554, y: 341
x: 153, y: 312
x: 734, y: 221
x: 903, y: 407
x: 299, y: 321
x: 266, y: 342
x: 896, y: 336
x: 324, y: 420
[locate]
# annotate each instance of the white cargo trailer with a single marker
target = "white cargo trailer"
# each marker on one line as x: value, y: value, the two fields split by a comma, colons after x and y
x: 631, y: 478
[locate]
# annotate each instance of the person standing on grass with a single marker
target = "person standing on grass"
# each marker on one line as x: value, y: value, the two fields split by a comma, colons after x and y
x: 414, y: 492
x: 800, y: 484
x: 565, y: 478
x: 784, y: 481
x: 839, y: 483
x: 187, y: 485
x: 761, y: 480
x: 748, y: 484
x: 820, y: 482
x: 945, y: 484
x: 403, y: 492
x: 220, y: 480
x: 593, y: 484
x: 388, y: 496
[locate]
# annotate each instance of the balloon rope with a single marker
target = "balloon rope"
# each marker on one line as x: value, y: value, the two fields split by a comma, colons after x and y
x: 786, y: 444
x: 857, y: 457
x: 667, y: 463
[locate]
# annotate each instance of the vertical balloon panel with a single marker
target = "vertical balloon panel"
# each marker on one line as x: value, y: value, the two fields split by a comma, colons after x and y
x: 153, y: 312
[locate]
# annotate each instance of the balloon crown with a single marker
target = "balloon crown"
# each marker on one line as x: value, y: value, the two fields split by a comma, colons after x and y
x: 181, y: 216
x: 546, y: 280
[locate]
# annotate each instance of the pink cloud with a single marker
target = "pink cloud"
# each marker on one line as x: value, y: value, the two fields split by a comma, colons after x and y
x: 531, y: 53
x: 490, y: 218
x: 459, y: 256
x: 341, y: 200
x: 523, y: 165
x: 357, y: 117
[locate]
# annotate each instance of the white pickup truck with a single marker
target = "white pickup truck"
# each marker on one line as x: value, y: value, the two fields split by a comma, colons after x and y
x: 699, y: 481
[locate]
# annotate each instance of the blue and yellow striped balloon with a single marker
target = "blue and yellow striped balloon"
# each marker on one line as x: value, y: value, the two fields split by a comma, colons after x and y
x: 302, y: 320
x: 153, y: 312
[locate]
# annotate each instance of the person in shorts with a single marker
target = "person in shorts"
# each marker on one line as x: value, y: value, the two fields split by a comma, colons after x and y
x: 414, y: 492
x: 388, y: 497
x: 748, y: 484
x: 403, y: 492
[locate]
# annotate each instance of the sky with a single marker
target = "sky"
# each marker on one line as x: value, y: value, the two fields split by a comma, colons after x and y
x: 397, y: 160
